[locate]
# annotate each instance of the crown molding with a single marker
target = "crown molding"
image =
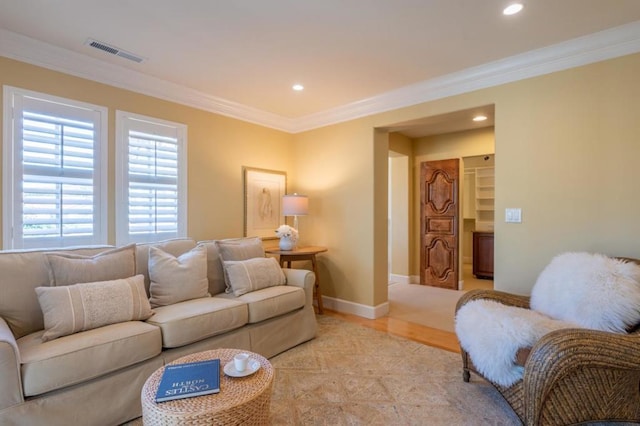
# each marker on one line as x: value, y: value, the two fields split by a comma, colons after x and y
x: 35, y: 52
x: 608, y: 44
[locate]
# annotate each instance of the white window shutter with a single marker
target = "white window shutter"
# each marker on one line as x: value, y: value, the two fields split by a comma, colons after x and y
x: 151, y: 180
x: 57, y: 191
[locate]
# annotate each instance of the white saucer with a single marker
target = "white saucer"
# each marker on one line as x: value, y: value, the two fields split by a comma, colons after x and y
x: 252, y: 366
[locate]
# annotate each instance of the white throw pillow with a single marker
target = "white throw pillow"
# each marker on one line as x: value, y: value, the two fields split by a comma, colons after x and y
x: 175, y: 279
x: 85, y: 306
x: 592, y: 290
x: 254, y: 274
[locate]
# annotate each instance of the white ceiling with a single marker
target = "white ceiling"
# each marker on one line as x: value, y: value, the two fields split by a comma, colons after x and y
x: 248, y: 53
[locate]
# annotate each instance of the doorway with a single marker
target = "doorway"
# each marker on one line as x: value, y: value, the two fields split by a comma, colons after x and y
x: 452, y: 135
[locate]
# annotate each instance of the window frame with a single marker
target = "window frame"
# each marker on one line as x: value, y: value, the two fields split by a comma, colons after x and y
x: 126, y: 121
x: 12, y: 173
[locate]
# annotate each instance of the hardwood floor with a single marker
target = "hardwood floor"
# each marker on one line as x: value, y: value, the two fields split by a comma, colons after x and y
x: 416, y: 332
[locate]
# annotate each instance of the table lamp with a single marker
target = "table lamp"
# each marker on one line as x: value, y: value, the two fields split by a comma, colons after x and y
x: 295, y: 205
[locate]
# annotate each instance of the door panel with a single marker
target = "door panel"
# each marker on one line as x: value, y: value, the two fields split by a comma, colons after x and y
x: 439, y: 223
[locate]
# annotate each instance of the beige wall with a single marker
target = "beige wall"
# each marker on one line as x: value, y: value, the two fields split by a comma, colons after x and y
x: 218, y: 146
x: 566, y: 153
x: 399, y: 208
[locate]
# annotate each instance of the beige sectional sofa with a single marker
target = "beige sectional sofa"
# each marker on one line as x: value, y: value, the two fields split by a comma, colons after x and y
x: 95, y: 376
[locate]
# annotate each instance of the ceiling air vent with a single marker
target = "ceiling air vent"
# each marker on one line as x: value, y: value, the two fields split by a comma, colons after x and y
x: 114, y: 50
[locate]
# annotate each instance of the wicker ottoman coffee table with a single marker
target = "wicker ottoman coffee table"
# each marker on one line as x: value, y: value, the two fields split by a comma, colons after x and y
x: 242, y: 400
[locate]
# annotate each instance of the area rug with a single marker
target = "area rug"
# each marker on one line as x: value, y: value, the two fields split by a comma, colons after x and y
x: 420, y: 304
x: 353, y: 375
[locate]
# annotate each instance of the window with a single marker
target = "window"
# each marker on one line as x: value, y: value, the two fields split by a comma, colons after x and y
x: 151, y: 179
x: 54, y: 171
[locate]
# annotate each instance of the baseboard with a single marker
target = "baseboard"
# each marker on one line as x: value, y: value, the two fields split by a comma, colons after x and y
x: 400, y: 279
x: 346, y: 307
x: 414, y: 279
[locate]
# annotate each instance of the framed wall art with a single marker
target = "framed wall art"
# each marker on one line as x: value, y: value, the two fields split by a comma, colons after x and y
x: 263, y: 191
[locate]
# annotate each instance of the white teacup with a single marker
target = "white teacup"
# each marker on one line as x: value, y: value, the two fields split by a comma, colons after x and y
x: 240, y: 361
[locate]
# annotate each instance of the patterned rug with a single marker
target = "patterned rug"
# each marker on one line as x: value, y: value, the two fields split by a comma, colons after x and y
x: 352, y: 375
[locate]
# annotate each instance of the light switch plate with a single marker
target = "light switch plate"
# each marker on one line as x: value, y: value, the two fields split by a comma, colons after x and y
x: 513, y: 215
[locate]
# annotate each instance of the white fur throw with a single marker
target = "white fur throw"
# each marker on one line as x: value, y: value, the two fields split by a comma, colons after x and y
x: 592, y: 290
x: 492, y: 333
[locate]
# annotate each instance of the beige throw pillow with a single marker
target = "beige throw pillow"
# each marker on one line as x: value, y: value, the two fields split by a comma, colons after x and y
x: 69, y: 268
x: 85, y: 306
x: 240, y: 248
x: 254, y: 274
x: 237, y: 249
x: 175, y: 279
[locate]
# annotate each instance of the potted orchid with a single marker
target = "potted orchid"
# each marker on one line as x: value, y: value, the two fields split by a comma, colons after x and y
x: 288, y: 237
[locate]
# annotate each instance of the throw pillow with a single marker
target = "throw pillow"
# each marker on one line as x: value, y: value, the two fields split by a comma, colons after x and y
x: 240, y: 248
x: 69, y: 268
x: 215, y: 274
x: 85, y: 306
x: 249, y: 275
x: 175, y: 279
x: 592, y: 290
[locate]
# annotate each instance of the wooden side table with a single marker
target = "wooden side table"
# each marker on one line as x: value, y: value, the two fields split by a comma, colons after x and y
x: 302, y: 253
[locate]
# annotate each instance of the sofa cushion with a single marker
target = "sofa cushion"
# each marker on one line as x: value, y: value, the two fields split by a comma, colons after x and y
x: 245, y: 276
x: 269, y: 302
x: 80, y: 307
x: 83, y: 356
x: 175, y: 246
x: 197, y: 319
x: 175, y: 279
x: 592, y: 290
x: 71, y: 268
x: 22, y: 272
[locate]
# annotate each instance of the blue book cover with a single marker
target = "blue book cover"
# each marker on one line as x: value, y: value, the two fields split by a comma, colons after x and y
x: 189, y: 379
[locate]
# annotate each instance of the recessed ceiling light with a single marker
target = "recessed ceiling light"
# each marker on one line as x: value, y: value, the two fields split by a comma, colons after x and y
x: 512, y: 9
x: 479, y: 118
x: 298, y: 87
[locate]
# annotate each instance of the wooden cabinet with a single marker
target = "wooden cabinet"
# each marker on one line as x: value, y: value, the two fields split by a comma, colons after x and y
x: 483, y: 255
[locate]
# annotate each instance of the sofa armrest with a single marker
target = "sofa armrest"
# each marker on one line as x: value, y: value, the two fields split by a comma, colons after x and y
x: 9, y: 368
x: 606, y: 366
x: 304, y: 279
x: 495, y: 295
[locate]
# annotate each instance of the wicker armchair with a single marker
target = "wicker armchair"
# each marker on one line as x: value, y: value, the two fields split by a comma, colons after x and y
x: 571, y: 375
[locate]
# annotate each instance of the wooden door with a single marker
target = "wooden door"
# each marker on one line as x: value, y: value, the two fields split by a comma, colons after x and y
x: 439, y: 223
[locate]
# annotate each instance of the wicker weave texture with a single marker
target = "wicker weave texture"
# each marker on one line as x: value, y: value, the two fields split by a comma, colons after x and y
x: 572, y: 375
x: 241, y: 400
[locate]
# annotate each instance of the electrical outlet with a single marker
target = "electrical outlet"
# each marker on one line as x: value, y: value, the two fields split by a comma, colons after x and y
x: 513, y: 215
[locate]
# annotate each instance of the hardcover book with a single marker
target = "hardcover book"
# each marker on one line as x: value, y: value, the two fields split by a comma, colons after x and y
x: 189, y: 379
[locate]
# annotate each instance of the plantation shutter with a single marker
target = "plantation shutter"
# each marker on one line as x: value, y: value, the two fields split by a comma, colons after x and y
x: 153, y: 181
x: 57, y: 180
